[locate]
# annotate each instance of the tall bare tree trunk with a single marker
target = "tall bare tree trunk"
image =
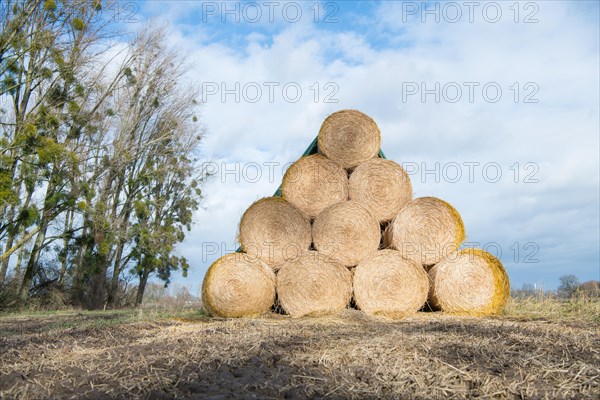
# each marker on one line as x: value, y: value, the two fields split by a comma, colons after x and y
x: 9, y: 243
x: 11, y: 236
x: 80, y: 259
x: 117, y: 267
x: 114, y: 282
x: 20, y: 257
x: 34, y: 258
x: 142, y: 287
x: 66, y: 235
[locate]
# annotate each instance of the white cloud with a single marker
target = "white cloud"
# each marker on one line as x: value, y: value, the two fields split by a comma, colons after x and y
x: 371, y: 64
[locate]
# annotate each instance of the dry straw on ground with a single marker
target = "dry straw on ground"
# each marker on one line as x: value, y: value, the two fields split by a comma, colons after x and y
x: 313, y: 284
x: 389, y: 285
x: 313, y: 183
x: 381, y: 186
x: 471, y: 282
x: 347, y: 232
x: 238, y: 285
x: 273, y: 230
x: 349, y: 138
x: 426, y: 230
x: 428, y: 356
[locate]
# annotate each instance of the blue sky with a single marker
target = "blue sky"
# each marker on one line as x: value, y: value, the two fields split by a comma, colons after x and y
x: 494, y: 89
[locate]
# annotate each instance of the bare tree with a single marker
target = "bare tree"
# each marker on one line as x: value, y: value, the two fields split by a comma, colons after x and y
x: 97, y: 155
x: 568, y: 285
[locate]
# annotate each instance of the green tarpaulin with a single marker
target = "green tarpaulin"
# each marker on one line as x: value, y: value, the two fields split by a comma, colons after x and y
x: 313, y: 148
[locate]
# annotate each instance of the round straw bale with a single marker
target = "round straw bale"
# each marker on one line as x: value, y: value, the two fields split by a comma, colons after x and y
x: 347, y: 232
x: 313, y: 183
x: 381, y: 186
x: 426, y: 230
x: 238, y: 285
x: 273, y: 229
x: 349, y: 138
x: 313, y: 284
x: 388, y: 284
x: 471, y: 281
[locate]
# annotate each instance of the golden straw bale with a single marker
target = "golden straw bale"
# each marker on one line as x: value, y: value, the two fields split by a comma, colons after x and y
x: 472, y: 281
x: 389, y: 285
x: 238, y: 285
x: 381, y: 186
x: 273, y: 230
x: 313, y: 183
x: 347, y: 232
x: 349, y: 138
x: 313, y: 284
x: 426, y: 230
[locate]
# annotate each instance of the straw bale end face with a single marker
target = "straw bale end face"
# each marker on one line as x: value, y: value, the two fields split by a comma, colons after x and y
x: 313, y: 284
x: 387, y: 284
x: 238, y: 285
x: 274, y: 230
x: 313, y: 183
x: 347, y: 232
x: 426, y: 230
x: 349, y: 137
x: 381, y: 186
x: 471, y: 282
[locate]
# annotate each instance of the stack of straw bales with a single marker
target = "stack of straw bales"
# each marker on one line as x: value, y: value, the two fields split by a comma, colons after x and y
x: 346, y: 227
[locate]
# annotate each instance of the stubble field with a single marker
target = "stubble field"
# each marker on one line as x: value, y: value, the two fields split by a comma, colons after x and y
x: 537, y: 349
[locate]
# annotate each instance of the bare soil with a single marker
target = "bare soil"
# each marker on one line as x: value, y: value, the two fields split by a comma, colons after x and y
x: 427, y: 356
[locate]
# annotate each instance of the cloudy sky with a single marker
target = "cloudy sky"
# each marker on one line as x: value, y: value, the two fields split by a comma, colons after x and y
x: 492, y: 106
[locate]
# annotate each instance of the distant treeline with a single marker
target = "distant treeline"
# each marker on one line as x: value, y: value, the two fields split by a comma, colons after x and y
x: 569, y: 287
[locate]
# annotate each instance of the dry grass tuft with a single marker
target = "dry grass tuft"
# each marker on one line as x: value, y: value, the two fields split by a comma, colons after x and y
x: 547, y: 307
